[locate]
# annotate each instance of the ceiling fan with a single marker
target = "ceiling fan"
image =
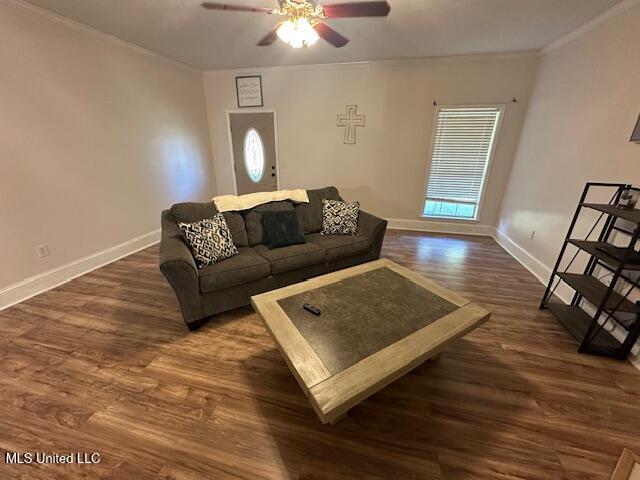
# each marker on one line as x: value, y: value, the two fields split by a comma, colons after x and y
x: 304, y: 22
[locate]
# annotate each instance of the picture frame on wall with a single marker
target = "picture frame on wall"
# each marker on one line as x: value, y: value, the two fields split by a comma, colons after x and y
x: 249, y: 91
x: 635, y: 136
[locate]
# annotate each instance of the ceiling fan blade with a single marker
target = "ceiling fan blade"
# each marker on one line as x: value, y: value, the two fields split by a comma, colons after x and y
x: 235, y: 8
x: 270, y: 37
x: 357, y: 9
x: 330, y: 35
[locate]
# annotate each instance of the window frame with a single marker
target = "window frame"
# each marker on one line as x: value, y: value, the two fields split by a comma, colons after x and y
x: 262, y: 151
x: 502, y: 107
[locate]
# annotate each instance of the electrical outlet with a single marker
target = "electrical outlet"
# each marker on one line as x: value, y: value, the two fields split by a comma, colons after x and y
x: 532, y: 234
x: 42, y: 251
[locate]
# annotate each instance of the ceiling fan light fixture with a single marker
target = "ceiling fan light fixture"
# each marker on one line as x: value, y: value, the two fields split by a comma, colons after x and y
x: 297, y: 33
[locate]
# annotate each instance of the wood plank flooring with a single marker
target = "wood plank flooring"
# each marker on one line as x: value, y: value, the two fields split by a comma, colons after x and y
x: 105, y: 364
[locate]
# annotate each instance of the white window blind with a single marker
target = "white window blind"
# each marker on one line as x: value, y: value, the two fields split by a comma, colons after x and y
x: 462, y: 146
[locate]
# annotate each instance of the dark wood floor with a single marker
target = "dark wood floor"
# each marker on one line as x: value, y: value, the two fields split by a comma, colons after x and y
x: 105, y: 364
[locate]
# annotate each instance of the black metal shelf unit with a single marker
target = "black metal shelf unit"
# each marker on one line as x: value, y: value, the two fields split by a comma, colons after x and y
x: 597, y: 307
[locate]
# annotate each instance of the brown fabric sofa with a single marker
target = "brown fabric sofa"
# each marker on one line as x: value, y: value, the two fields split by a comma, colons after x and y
x: 230, y: 283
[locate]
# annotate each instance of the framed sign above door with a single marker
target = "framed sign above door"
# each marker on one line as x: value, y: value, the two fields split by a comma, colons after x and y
x: 249, y: 91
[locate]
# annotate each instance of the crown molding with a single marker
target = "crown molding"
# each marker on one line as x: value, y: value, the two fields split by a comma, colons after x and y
x: 617, y: 9
x: 401, y: 62
x: 74, y: 25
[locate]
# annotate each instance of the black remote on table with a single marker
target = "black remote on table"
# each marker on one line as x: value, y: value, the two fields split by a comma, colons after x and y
x: 310, y: 308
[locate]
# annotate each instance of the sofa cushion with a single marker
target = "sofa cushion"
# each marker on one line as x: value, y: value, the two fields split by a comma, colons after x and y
x: 235, y: 221
x: 292, y: 257
x: 243, y: 268
x: 340, y: 246
x: 310, y: 214
x: 253, y: 219
x: 190, y: 212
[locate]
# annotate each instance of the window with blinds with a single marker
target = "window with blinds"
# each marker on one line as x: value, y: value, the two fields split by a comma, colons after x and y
x: 463, y: 143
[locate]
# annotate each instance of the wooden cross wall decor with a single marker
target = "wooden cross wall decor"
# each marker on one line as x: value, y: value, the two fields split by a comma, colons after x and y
x: 350, y: 121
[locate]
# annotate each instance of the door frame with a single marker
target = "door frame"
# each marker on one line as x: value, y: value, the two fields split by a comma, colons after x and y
x: 230, y: 140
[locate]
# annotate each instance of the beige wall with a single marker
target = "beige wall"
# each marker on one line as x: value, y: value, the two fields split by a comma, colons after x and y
x: 386, y: 170
x: 582, y: 112
x: 95, y: 140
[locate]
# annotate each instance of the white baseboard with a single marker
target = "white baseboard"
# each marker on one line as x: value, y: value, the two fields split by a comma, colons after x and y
x: 542, y: 272
x: 457, y: 228
x: 42, y: 282
x: 538, y: 269
x: 528, y: 261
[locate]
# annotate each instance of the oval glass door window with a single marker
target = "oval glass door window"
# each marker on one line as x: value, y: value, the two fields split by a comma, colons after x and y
x: 253, y: 155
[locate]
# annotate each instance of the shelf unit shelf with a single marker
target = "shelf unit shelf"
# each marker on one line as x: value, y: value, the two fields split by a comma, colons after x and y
x: 595, y: 303
x: 594, y: 292
x: 592, y: 248
x: 631, y: 215
x: 577, y: 322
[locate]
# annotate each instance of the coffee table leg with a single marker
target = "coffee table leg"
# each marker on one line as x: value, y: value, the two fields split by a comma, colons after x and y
x: 339, y: 418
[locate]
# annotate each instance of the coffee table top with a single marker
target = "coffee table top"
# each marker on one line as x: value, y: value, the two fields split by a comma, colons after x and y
x: 379, y: 320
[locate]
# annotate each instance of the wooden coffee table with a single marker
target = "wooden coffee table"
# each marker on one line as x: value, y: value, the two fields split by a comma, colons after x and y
x: 379, y: 321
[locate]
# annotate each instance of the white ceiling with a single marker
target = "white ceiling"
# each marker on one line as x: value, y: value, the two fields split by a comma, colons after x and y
x: 184, y: 31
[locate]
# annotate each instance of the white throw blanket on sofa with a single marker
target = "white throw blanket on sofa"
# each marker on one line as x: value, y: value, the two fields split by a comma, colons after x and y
x: 232, y: 203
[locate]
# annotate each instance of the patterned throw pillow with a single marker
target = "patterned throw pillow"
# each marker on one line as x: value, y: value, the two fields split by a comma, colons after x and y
x: 340, y: 218
x: 209, y: 239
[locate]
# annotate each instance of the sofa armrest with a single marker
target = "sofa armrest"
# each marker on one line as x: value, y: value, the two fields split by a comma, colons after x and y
x: 179, y: 268
x: 374, y: 228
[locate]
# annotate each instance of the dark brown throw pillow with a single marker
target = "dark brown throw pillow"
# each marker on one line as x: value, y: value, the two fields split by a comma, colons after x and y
x: 281, y: 228
x: 253, y: 219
